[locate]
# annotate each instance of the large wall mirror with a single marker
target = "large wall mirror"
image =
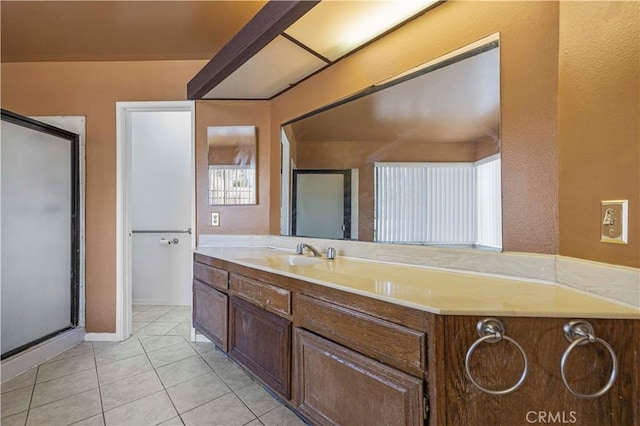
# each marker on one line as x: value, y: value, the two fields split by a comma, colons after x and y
x: 411, y: 160
x: 232, y: 164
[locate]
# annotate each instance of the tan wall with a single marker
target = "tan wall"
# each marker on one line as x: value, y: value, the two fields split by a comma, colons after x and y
x: 529, y: 83
x: 599, y: 125
x: 91, y: 89
x: 252, y: 219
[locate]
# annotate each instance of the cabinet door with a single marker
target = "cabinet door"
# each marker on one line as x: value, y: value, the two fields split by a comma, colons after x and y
x: 261, y: 342
x: 335, y: 385
x: 210, y: 313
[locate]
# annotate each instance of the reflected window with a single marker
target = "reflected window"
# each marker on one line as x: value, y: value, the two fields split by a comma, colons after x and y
x: 232, y: 185
x: 232, y: 164
x: 449, y: 204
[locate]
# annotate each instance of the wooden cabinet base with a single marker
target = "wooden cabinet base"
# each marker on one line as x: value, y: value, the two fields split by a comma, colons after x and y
x: 261, y: 342
x: 337, y: 386
x: 210, y: 313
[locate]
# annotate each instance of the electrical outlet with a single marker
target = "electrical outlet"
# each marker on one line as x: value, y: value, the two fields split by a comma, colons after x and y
x: 613, y: 219
x: 215, y: 218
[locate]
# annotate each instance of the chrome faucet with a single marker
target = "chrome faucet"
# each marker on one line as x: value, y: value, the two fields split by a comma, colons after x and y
x: 301, y: 246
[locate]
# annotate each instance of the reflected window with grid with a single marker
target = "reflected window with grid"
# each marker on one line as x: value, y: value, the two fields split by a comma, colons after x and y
x: 232, y: 185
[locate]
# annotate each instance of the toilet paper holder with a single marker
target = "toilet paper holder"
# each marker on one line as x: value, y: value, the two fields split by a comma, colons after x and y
x: 169, y: 241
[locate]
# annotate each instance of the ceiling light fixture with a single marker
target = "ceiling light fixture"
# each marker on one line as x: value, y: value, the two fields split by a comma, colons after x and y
x: 287, y: 41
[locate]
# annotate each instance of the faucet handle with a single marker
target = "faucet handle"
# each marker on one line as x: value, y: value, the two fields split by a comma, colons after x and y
x: 300, y: 248
x: 331, y: 253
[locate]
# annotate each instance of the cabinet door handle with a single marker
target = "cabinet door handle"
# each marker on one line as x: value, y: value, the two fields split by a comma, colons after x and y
x: 580, y: 332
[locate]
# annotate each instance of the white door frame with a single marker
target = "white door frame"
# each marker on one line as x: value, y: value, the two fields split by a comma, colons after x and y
x: 123, y: 203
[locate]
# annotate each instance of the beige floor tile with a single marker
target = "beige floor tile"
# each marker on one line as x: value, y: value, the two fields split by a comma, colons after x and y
x: 15, y: 401
x: 162, y: 308
x: 227, y: 410
x: 171, y: 354
x: 147, y: 316
x: 80, y: 349
x: 15, y: 420
x: 138, y: 325
x: 123, y: 391
x: 202, y: 347
x: 172, y: 422
x: 183, y: 329
x: 255, y: 422
x: 63, y: 387
x: 54, y: 369
x: 182, y: 371
x: 24, y: 380
x: 257, y: 399
x: 157, y: 329
x: 120, y: 369
x: 153, y: 343
x: 192, y: 393
x: 91, y: 421
x: 150, y: 410
x: 281, y: 416
x: 215, y: 357
x: 106, y: 354
x: 176, y: 315
x: 139, y: 308
x: 66, y: 411
x: 233, y: 376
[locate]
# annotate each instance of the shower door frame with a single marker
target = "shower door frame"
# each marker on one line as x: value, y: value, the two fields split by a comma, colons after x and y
x: 74, y: 140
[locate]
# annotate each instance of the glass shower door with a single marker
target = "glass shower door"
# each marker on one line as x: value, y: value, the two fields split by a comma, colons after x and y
x: 39, y: 232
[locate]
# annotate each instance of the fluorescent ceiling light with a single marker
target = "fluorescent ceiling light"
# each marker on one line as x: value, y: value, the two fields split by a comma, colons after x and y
x: 273, y: 69
x: 333, y: 28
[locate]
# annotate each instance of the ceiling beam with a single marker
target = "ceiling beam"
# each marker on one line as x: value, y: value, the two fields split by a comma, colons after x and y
x: 267, y: 24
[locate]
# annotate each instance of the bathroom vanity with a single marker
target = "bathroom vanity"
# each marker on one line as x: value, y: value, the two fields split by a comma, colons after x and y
x: 350, y: 342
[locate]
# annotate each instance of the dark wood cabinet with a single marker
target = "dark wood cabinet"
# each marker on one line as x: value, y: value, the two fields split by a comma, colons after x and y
x: 343, y: 358
x: 338, y: 386
x: 261, y: 342
x: 210, y: 313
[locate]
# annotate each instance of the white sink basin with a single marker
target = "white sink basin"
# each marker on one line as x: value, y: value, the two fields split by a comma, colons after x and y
x: 299, y: 260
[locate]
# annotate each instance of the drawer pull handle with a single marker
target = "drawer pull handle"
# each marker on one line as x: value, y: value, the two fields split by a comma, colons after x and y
x: 491, y: 330
x: 580, y: 332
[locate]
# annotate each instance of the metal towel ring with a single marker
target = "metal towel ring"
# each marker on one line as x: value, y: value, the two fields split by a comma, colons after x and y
x: 491, y: 330
x: 580, y: 332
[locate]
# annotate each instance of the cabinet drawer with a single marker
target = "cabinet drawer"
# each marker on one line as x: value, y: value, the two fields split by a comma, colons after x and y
x: 390, y: 343
x: 212, y: 276
x: 210, y: 313
x: 269, y: 297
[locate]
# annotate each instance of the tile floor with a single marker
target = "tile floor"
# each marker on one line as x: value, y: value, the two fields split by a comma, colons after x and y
x: 156, y: 377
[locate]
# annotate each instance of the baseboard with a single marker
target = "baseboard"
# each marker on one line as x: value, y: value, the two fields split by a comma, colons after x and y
x: 38, y: 354
x: 102, y: 337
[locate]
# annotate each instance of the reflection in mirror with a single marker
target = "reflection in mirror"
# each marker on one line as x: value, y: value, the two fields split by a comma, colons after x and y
x: 422, y: 152
x: 232, y: 164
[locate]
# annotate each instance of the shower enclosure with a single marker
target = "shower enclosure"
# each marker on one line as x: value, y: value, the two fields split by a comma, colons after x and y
x: 39, y: 232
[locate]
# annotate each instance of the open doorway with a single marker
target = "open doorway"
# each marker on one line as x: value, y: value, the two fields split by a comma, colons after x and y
x: 155, y: 207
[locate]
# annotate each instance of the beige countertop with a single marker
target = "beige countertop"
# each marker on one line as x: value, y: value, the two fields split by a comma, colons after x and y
x: 433, y: 290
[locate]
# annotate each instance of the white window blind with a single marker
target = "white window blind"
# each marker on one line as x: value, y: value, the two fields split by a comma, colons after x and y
x: 439, y: 203
x: 425, y: 203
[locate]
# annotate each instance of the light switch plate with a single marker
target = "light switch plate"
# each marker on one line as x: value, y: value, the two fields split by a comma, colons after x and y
x: 613, y: 221
x: 215, y: 218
